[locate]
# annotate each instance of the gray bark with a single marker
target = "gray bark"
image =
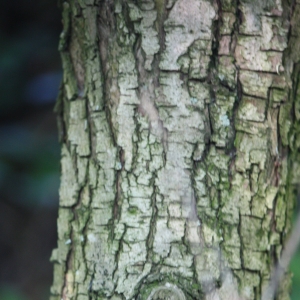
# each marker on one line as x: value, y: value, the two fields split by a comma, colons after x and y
x: 178, y: 123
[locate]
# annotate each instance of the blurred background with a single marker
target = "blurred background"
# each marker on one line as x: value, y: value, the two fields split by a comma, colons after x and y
x: 30, y: 74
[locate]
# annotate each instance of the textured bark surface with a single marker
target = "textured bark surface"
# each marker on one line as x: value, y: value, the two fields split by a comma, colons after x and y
x: 178, y: 123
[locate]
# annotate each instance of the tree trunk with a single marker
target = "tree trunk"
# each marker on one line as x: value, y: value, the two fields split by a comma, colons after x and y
x: 178, y: 123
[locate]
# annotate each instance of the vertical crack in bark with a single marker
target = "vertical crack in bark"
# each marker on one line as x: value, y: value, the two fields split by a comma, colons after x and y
x: 154, y: 216
x: 147, y: 96
x: 107, y: 42
x: 213, y: 82
x: 148, y: 84
x: 59, y: 111
x: 162, y: 15
x: 241, y: 247
x: 117, y: 255
x: 117, y: 203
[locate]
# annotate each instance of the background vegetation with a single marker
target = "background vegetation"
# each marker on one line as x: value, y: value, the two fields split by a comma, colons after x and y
x: 30, y: 73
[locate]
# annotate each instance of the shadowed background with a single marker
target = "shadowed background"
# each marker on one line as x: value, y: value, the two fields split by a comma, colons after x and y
x: 30, y: 74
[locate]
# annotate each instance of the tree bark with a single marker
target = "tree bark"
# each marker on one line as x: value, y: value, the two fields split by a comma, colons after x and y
x: 178, y: 124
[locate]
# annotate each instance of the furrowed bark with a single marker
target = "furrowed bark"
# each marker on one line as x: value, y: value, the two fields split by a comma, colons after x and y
x: 179, y: 130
